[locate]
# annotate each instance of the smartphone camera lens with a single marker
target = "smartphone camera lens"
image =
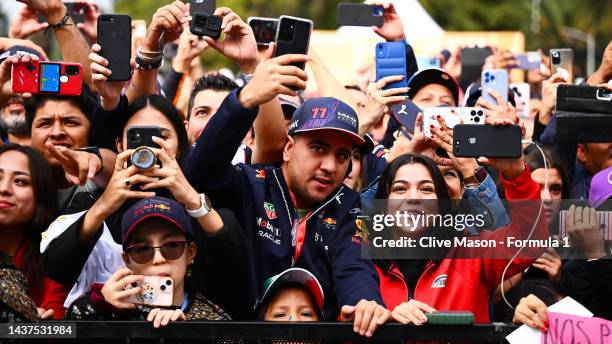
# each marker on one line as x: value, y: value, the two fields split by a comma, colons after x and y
x: 162, y: 287
x: 168, y: 282
x: 143, y: 158
x: 556, y: 58
x: 72, y: 70
x: 287, y: 30
x: 214, y: 23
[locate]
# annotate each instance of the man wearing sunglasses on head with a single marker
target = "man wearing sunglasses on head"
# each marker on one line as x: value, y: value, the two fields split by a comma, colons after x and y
x: 159, y: 250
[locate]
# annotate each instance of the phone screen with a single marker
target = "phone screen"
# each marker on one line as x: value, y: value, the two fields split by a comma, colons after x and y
x: 49, y: 77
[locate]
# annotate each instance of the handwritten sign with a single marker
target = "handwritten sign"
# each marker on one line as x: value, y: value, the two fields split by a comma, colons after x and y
x: 565, y: 328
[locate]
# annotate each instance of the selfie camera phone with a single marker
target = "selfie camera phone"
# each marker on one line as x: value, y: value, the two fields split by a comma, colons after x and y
x: 155, y: 291
x: 474, y: 141
x: 264, y: 29
x: 391, y: 61
x: 452, y: 116
x: 604, y: 218
x: 562, y: 62
x: 529, y: 60
x: 293, y: 37
x: 350, y: 14
x: 58, y: 78
x: 497, y: 80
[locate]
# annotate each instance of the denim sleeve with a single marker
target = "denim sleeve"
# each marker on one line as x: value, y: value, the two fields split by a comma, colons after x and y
x: 485, y: 200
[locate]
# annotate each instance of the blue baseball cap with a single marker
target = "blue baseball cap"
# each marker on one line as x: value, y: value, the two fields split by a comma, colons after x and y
x: 160, y: 207
x: 326, y: 114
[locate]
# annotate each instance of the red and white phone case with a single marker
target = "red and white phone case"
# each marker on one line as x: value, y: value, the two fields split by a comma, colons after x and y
x: 26, y: 77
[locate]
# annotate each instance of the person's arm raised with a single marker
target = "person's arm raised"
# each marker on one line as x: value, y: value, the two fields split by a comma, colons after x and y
x: 166, y: 26
x: 73, y: 45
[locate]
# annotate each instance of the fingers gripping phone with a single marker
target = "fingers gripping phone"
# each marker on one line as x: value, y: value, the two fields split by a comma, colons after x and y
x: 405, y: 113
x: 452, y: 116
x: 293, y: 37
x: 264, y: 29
x: 562, y: 62
x: 474, y: 141
x: 350, y: 14
x: 155, y: 291
x: 203, y: 21
x: 390, y: 61
x: 115, y: 38
x: 59, y: 78
x: 497, y: 80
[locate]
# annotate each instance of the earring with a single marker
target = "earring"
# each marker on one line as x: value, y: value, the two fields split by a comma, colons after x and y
x: 189, y: 269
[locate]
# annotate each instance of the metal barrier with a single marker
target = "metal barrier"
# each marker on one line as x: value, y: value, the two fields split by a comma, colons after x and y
x: 327, y: 332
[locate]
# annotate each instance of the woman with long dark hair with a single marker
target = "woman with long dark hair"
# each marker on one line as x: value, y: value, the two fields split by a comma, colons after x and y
x: 412, y: 287
x: 28, y: 203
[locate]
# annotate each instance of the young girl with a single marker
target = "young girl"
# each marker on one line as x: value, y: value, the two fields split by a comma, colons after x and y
x: 157, y: 241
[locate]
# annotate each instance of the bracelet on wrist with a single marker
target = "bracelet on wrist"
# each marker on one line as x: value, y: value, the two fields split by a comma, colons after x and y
x: 61, y: 23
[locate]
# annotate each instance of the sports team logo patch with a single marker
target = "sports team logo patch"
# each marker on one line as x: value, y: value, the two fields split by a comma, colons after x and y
x: 439, y: 282
x: 329, y: 221
x: 361, y: 234
x: 260, y: 174
x: 270, y: 210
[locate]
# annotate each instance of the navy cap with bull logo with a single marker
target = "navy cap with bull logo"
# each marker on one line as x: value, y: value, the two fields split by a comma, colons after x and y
x: 326, y: 114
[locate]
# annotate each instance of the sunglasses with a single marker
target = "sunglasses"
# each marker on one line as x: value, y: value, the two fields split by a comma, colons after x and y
x: 142, y: 254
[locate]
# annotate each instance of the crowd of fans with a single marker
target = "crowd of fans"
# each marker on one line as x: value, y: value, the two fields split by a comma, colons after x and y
x: 252, y: 210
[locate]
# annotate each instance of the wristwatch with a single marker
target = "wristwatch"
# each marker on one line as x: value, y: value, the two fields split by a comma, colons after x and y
x: 480, y: 174
x: 202, y: 211
x: 96, y: 151
x: 246, y: 78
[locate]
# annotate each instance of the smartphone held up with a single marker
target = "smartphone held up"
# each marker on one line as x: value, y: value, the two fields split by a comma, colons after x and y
x: 54, y: 78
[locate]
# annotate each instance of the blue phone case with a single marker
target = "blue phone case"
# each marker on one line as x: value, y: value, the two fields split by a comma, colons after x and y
x: 497, y: 80
x: 391, y: 60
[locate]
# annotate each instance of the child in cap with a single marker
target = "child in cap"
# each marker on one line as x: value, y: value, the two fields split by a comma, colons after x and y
x: 157, y: 241
x: 293, y: 295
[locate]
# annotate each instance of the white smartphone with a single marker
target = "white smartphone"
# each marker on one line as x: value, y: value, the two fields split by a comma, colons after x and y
x: 522, y: 97
x: 156, y: 291
x: 452, y: 116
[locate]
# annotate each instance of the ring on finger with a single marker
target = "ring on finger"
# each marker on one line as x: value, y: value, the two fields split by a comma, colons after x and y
x: 128, y: 182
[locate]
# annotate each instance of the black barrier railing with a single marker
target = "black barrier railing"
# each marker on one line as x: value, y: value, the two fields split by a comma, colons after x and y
x: 319, y: 332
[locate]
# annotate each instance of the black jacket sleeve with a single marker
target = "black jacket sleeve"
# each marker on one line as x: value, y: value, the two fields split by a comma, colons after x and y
x: 106, y: 125
x: 210, y: 168
x: 411, y: 62
x: 172, y: 83
x: 221, y: 266
x: 600, y: 276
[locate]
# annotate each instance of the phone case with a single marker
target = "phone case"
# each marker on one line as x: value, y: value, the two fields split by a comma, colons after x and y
x: 472, y: 60
x: 202, y: 7
x: 390, y: 61
x: 359, y: 15
x: 452, y: 116
x: 450, y: 318
x: 59, y: 78
x: 473, y: 141
x: 264, y: 29
x: 405, y: 113
x: 142, y: 136
x: 156, y: 291
x: 497, y: 80
x: 294, y: 41
x: 115, y: 38
x: 562, y: 62
x: 529, y: 60
x: 522, y: 95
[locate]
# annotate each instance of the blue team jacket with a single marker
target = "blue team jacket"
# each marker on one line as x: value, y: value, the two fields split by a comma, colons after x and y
x: 262, y: 203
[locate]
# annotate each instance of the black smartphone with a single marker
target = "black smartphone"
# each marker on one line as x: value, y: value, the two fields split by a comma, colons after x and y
x: 405, y: 113
x: 202, y: 6
x: 350, y: 14
x: 142, y: 136
x: 115, y: 38
x: 473, y: 141
x: 264, y: 29
x: 293, y: 37
x: 472, y: 60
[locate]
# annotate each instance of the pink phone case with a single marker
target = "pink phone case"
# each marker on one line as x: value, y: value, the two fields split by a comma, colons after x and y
x: 156, y: 291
